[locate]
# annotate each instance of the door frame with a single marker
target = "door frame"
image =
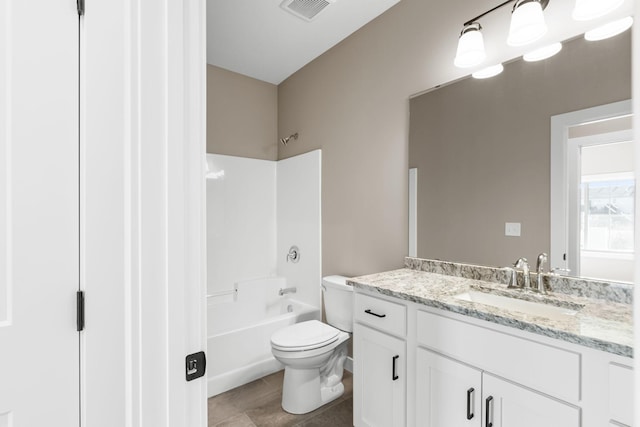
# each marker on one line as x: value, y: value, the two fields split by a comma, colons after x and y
x: 143, y: 247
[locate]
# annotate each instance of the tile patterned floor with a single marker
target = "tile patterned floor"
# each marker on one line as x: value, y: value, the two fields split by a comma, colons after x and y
x: 257, y: 404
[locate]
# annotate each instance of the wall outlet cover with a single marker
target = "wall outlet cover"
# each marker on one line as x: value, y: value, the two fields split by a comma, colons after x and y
x: 512, y: 229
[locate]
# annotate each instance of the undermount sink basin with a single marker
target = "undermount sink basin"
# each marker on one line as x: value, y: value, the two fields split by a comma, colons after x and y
x: 515, y: 304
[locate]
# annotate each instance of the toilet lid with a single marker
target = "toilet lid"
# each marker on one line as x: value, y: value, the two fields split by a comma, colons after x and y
x: 304, y: 336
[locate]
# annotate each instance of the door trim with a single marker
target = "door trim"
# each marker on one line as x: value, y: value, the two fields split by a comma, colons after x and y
x: 143, y: 212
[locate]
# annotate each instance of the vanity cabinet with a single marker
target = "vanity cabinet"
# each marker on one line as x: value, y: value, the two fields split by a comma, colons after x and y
x: 421, y: 366
x: 380, y: 363
x: 451, y: 393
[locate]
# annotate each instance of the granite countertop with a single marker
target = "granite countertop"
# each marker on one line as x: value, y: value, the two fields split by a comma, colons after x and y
x: 599, y: 324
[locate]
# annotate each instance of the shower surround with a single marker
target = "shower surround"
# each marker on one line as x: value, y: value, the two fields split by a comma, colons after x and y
x: 256, y: 211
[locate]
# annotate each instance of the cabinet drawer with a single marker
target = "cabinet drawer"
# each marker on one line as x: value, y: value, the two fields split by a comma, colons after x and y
x: 621, y: 393
x: 384, y: 315
x: 551, y: 370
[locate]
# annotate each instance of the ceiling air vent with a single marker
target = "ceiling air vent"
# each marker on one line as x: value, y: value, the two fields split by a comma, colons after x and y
x: 305, y: 9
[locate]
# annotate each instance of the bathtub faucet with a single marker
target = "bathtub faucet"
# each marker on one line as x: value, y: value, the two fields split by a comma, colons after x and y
x: 283, y: 291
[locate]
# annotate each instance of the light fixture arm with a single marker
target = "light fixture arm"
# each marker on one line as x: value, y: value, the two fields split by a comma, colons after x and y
x: 543, y: 3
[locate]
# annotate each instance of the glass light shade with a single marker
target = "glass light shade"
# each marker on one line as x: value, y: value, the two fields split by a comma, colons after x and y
x: 586, y: 10
x: 543, y: 52
x: 609, y: 30
x: 527, y: 24
x: 470, y: 47
x: 485, y: 73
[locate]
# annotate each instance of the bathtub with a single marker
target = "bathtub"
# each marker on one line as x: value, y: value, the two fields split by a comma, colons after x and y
x: 240, y: 324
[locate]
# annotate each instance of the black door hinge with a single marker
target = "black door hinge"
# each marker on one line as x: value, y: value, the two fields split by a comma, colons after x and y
x: 80, y: 4
x: 80, y: 311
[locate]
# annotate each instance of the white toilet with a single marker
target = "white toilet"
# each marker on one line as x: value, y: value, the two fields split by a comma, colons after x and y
x: 313, y: 352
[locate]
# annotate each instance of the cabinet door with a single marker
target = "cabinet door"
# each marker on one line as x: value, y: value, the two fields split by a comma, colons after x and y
x: 448, y: 393
x: 379, y: 390
x: 508, y: 405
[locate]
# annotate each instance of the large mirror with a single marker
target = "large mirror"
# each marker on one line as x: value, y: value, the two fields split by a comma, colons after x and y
x: 482, y: 151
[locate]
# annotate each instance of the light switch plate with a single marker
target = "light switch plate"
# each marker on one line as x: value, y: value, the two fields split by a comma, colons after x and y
x: 512, y: 229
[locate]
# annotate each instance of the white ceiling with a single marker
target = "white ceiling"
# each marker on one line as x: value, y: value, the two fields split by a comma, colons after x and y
x: 259, y: 39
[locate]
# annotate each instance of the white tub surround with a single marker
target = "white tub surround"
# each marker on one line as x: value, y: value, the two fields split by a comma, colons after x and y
x: 256, y: 211
x: 299, y: 224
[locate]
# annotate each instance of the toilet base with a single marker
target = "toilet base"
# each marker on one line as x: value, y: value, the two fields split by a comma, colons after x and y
x: 302, y: 392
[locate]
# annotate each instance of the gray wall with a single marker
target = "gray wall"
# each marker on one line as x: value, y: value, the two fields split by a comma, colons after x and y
x: 352, y: 102
x: 482, y: 150
x: 242, y: 115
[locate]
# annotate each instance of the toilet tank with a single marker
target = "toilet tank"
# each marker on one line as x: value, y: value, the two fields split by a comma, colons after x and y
x: 338, y: 302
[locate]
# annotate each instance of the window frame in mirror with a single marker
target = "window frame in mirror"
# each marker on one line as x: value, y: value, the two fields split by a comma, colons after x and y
x: 565, y: 245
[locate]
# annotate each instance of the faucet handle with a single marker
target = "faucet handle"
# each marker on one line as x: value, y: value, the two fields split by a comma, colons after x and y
x: 513, y: 279
x: 521, y: 263
x: 542, y: 258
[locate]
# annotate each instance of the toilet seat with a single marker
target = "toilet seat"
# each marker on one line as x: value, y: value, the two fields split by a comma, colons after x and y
x: 304, y: 336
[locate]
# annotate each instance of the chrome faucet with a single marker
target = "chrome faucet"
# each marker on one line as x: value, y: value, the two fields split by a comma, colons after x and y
x: 524, y: 265
x: 513, y: 279
x: 542, y: 258
x: 283, y: 291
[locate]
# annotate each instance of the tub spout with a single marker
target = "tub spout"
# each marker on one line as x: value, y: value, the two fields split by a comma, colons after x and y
x: 283, y: 291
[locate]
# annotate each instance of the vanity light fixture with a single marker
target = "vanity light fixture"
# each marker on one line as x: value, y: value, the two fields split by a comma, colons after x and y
x: 488, y: 72
x: 527, y: 26
x: 543, y: 52
x: 527, y: 23
x: 586, y: 10
x: 609, y: 30
x: 470, y: 46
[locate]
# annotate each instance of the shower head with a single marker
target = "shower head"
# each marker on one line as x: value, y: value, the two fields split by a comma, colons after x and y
x: 285, y: 141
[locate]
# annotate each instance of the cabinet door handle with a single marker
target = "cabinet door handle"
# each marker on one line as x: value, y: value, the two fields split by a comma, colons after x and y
x: 488, y: 417
x: 368, y: 311
x: 394, y: 376
x: 469, y: 394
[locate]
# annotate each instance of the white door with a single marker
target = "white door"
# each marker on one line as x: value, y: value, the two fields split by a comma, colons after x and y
x: 379, y: 390
x: 509, y: 405
x: 448, y: 393
x: 39, y: 249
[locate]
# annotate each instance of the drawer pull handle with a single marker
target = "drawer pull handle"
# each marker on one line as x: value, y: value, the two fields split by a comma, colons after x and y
x: 469, y: 394
x: 368, y: 311
x: 488, y: 417
x: 394, y: 376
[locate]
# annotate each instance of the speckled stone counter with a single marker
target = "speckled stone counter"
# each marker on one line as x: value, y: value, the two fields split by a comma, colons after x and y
x: 599, y: 323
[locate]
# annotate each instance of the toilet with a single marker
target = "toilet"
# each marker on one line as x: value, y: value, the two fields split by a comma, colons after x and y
x: 313, y: 353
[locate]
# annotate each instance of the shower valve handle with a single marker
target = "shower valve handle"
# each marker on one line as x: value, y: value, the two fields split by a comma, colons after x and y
x: 294, y: 254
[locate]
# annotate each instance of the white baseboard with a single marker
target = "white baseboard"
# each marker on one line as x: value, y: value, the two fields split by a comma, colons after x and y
x: 348, y: 364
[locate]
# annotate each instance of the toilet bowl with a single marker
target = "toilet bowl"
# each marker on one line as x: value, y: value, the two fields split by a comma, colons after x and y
x: 313, y: 353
